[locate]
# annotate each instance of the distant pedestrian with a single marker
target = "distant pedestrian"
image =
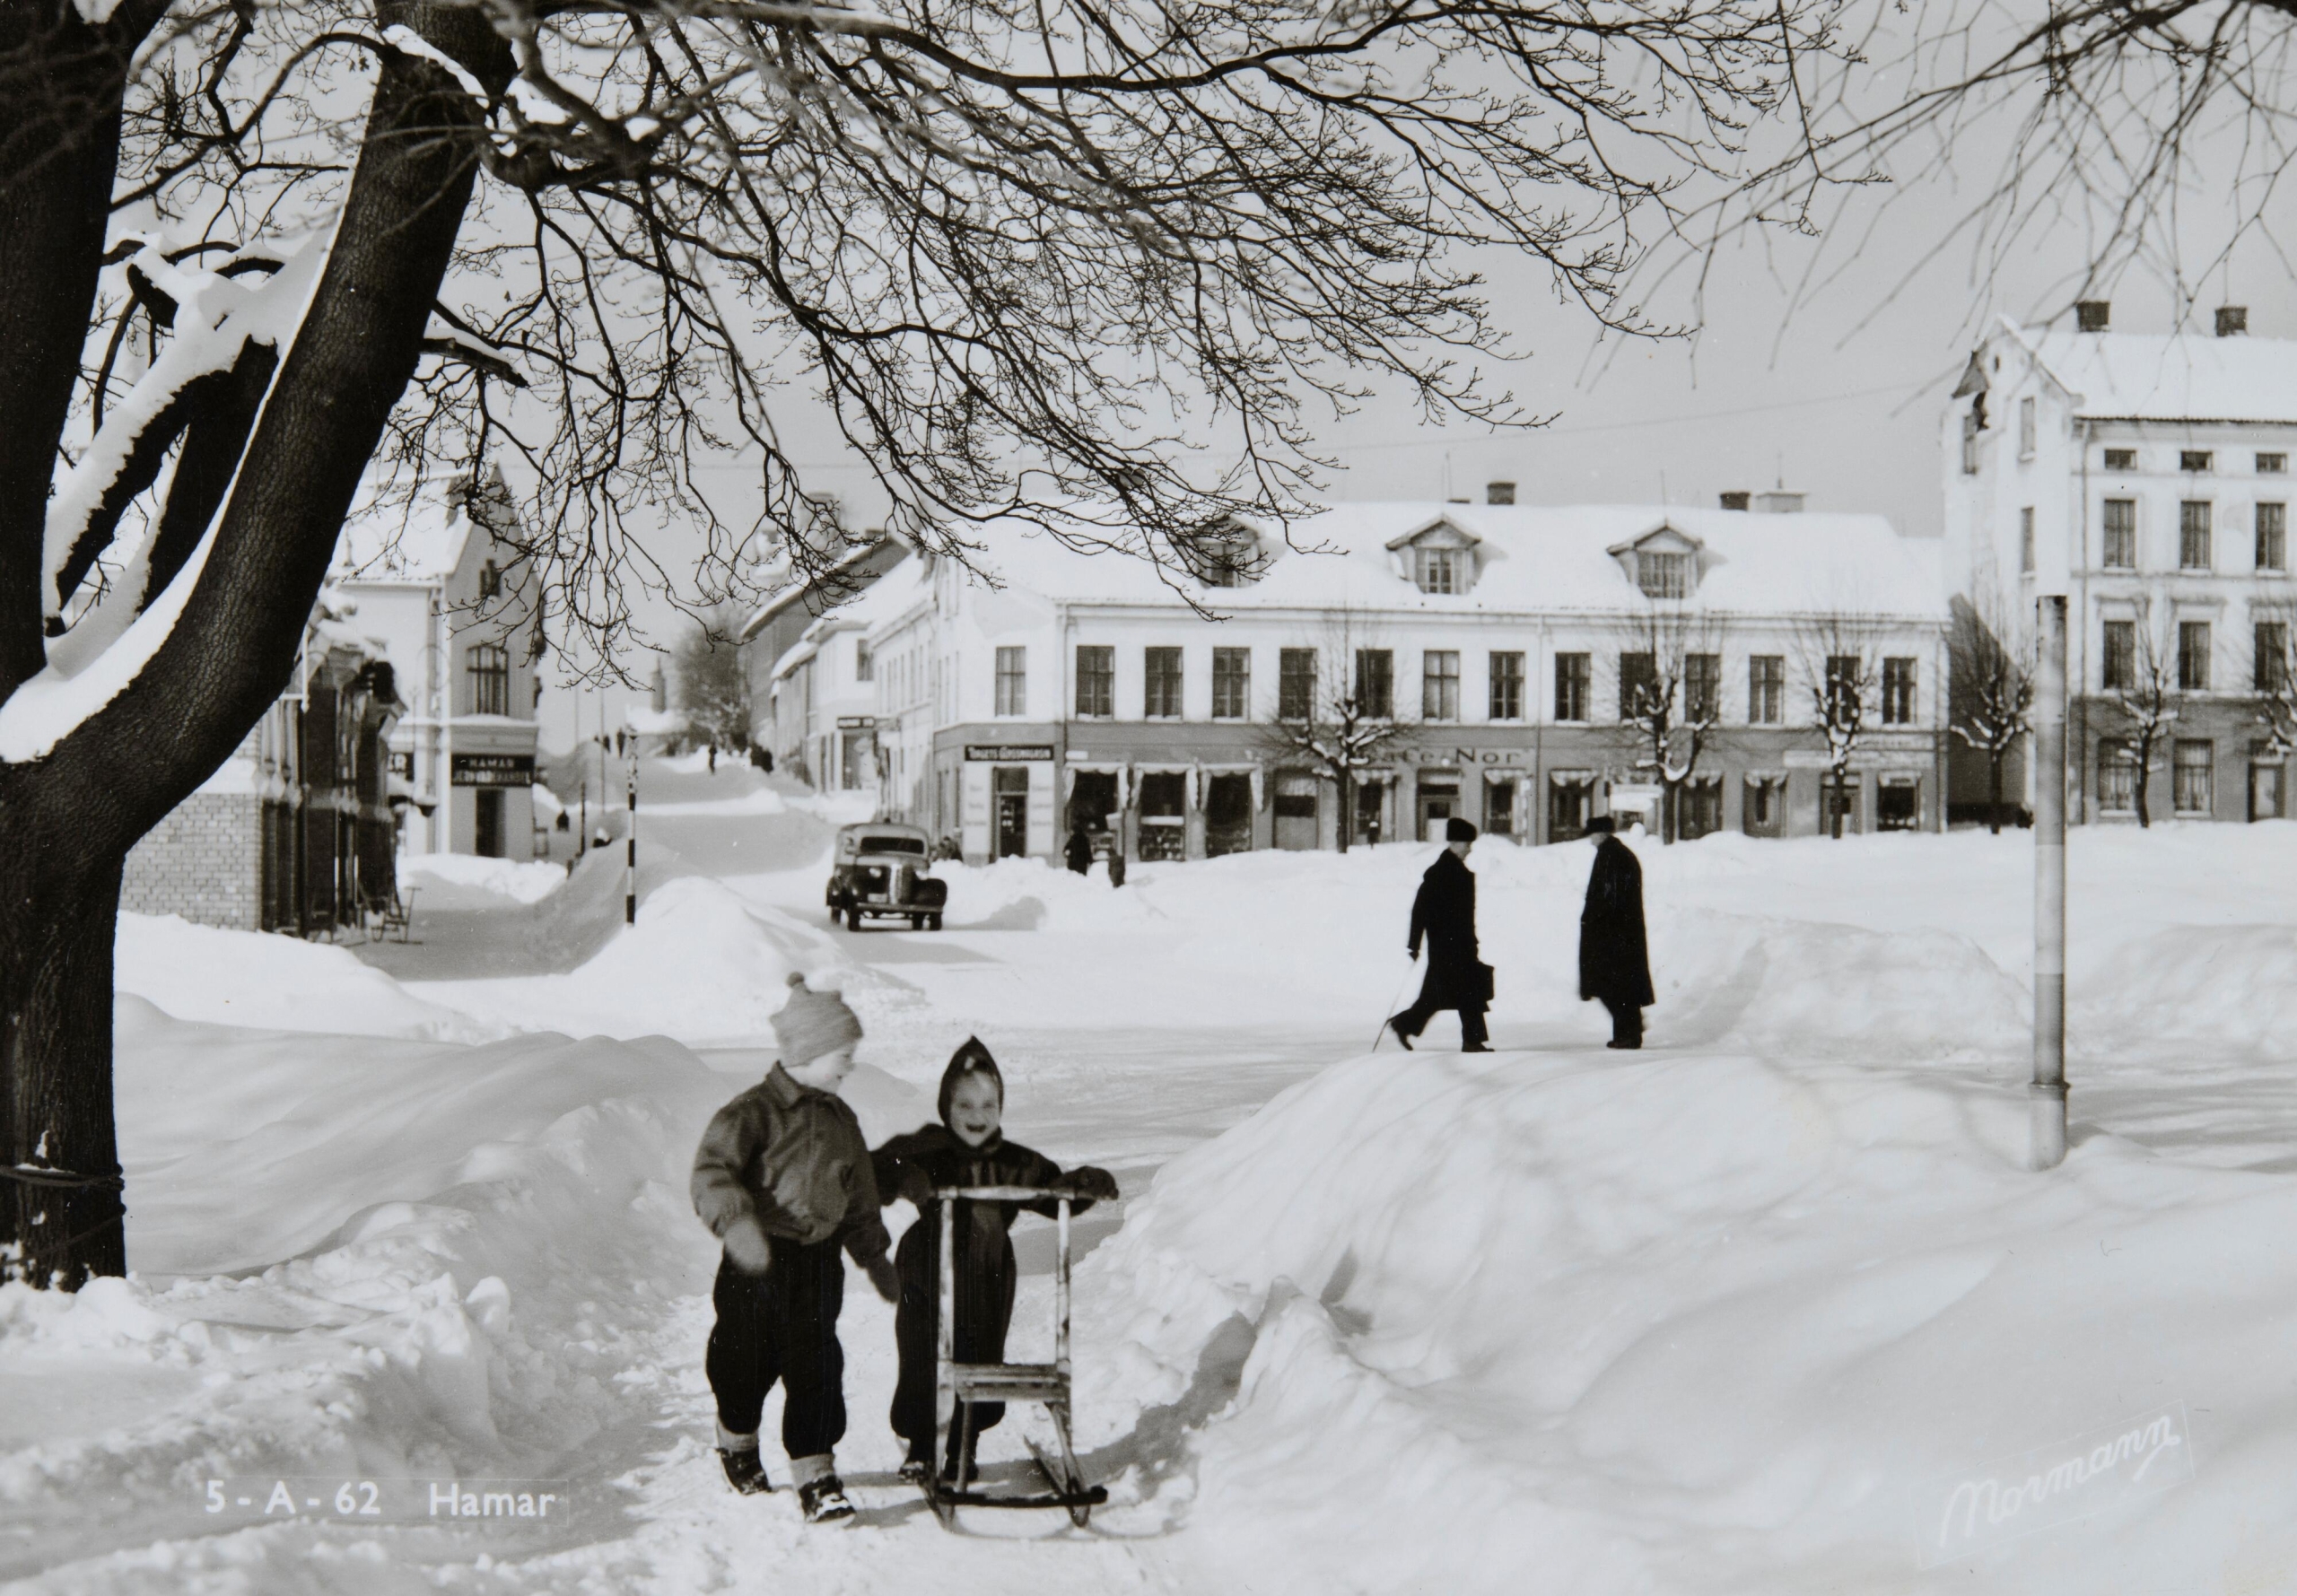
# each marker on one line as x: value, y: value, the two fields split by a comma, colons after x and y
x: 1444, y: 913
x: 1116, y: 861
x: 713, y: 759
x: 784, y: 1181
x: 1614, y: 964
x: 1079, y: 851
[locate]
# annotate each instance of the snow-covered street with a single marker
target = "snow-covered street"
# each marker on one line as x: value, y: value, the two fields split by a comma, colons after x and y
x: 1719, y: 1317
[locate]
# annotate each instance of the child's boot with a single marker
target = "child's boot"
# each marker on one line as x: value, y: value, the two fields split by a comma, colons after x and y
x: 821, y: 1495
x: 746, y: 1472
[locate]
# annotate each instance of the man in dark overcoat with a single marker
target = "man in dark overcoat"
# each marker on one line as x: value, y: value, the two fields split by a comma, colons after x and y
x: 1444, y: 913
x: 1614, y: 964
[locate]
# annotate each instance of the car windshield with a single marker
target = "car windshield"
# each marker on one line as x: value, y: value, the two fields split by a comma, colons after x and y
x: 883, y: 844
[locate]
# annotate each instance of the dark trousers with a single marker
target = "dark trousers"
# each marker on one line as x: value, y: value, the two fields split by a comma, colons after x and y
x: 782, y: 1325
x: 1413, y: 1021
x: 984, y: 1314
x: 1627, y: 1021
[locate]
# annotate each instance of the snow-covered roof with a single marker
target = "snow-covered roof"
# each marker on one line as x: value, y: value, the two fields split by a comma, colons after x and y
x: 393, y: 536
x: 881, y: 600
x: 2170, y: 377
x: 1530, y: 559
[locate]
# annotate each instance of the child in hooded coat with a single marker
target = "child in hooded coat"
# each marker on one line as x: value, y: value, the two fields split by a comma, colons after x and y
x: 966, y: 1148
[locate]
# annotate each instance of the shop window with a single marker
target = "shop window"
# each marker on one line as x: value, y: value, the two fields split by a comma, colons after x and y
x: 1500, y: 808
x: 1570, y: 804
x: 1164, y: 814
x: 1897, y: 805
x: 1295, y: 806
x: 1371, y: 809
x: 1699, y: 807
x: 1762, y: 806
x: 2193, y: 770
x: 1227, y: 813
x: 1009, y: 786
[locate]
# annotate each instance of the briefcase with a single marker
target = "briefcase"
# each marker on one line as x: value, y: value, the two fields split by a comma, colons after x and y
x: 1480, y: 984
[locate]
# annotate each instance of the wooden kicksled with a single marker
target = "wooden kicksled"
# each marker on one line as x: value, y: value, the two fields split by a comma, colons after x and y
x: 957, y: 1386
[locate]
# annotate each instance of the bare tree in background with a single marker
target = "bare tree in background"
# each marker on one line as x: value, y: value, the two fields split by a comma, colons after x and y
x: 1990, y: 693
x: 1021, y: 256
x: 2143, y: 690
x: 2274, y: 677
x: 1670, y: 699
x: 713, y: 690
x: 1339, y: 717
x: 1835, y: 651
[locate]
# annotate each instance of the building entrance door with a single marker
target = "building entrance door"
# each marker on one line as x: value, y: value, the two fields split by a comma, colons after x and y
x: 1438, y: 801
x: 2266, y: 799
x: 1091, y: 803
x: 488, y: 844
x: 1011, y: 788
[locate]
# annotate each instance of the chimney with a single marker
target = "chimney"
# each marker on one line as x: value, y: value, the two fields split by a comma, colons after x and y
x: 2232, y: 319
x: 1779, y: 502
x: 1736, y: 499
x: 1503, y: 493
x: 2091, y: 315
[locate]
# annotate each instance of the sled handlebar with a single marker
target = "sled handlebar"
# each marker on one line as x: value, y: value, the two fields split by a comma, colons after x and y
x: 1002, y: 1193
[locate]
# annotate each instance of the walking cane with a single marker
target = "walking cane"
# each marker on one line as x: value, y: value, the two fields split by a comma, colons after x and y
x: 1382, y: 1031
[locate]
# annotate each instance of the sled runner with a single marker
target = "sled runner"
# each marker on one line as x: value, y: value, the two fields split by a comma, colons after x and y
x: 957, y: 1386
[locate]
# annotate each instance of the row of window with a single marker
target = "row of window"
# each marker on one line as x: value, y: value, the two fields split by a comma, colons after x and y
x: 2273, y: 464
x: 2192, y: 776
x: 2196, y: 540
x: 1302, y: 694
x: 2126, y: 670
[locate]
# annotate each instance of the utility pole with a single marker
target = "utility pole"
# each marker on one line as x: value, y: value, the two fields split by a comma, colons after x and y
x: 629, y: 858
x: 2046, y: 1097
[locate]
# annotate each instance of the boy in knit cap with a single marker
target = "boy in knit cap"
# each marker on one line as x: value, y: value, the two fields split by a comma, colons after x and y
x: 783, y: 1180
x: 966, y: 1148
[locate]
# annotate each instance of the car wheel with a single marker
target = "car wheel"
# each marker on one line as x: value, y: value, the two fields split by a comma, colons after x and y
x: 932, y: 922
x: 853, y: 917
x: 916, y: 922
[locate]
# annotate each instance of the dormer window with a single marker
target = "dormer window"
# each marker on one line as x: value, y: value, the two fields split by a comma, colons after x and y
x: 1663, y: 573
x: 1440, y: 571
x: 1439, y: 558
x: 1231, y: 557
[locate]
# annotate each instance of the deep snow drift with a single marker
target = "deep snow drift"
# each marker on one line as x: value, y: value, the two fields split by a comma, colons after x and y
x: 1712, y: 1319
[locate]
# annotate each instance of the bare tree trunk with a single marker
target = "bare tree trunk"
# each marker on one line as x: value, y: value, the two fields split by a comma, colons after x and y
x: 71, y: 817
x: 1994, y: 792
x: 1347, y: 810
x: 62, y: 1207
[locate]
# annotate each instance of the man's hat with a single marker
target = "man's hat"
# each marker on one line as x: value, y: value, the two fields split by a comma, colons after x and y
x: 1456, y: 829
x: 1601, y: 826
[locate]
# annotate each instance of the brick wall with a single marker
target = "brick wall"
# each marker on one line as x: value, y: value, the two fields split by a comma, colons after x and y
x: 204, y: 862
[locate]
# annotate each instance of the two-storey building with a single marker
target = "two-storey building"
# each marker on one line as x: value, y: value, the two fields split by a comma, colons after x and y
x: 1504, y: 648
x: 2146, y: 477
x: 439, y: 579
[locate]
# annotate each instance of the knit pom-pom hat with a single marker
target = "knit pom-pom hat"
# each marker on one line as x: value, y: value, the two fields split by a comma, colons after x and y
x: 811, y: 1023
x: 971, y: 1058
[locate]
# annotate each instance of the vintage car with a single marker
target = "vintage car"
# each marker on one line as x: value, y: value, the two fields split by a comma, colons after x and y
x: 881, y: 869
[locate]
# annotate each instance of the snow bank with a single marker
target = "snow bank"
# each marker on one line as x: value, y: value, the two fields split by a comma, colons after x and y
x: 2231, y: 987
x: 702, y: 964
x: 457, y: 1259
x: 1701, y: 1324
x: 272, y: 982
x: 521, y: 881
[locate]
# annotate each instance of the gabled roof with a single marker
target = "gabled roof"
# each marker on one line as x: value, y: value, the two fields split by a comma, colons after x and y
x: 1662, y: 529
x: 1440, y: 521
x: 2174, y: 377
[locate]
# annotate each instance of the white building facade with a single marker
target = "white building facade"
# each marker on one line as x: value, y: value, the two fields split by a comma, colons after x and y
x: 1499, y: 643
x: 2146, y: 477
x: 440, y: 583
